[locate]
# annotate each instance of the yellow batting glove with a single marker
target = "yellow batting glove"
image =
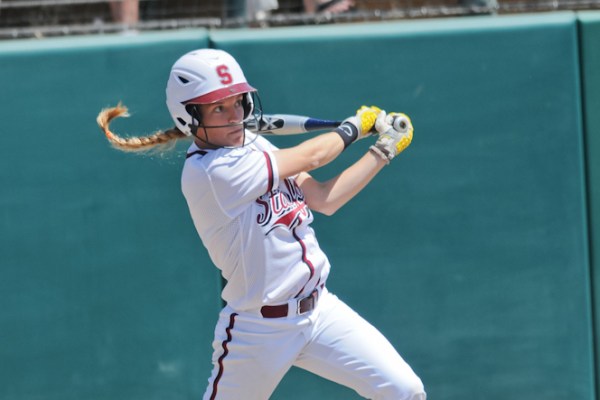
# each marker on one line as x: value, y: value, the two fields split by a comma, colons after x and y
x: 395, y: 135
x: 401, y: 122
x: 366, y: 117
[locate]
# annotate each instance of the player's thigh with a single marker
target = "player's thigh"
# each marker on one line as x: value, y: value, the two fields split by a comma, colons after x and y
x: 250, y: 357
x: 348, y: 350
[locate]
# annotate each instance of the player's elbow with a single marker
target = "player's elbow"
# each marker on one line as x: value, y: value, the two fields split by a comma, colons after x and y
x: 327, y: 211
x: 319, y: 197
x: 324, y: 208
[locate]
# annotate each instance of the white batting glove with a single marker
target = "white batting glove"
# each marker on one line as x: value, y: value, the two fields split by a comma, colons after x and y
x: 358, y: 126
x: 395, y: 134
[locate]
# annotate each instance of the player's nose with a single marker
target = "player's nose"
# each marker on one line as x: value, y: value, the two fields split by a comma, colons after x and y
x: 234, y: 115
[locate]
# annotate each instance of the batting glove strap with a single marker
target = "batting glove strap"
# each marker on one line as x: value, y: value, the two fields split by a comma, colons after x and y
x: 380, y: 153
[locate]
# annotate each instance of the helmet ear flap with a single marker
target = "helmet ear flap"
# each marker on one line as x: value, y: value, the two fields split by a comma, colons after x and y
x: 248, y: 105
x: 194, y: 111
x: 252, y: 106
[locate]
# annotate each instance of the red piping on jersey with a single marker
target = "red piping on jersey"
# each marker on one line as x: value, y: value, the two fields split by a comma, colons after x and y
x: 270, y: 172
x: 310, y: 265
x: 225, y: 352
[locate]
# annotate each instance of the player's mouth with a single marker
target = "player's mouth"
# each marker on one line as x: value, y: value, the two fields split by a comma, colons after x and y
x: 236, y: 134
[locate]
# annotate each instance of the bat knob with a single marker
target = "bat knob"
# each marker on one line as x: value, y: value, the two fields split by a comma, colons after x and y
x: 400, y: 123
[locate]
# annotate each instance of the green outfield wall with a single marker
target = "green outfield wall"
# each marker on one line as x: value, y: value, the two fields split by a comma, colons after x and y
x: 105, y: 293
x: 590, y: 67
x: 473, y: 252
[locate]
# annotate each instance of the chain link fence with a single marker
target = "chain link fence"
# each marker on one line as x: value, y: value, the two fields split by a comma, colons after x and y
x: 45, y: 18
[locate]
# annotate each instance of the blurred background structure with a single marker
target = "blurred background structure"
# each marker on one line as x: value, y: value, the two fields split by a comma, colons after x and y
x: 43, y: 18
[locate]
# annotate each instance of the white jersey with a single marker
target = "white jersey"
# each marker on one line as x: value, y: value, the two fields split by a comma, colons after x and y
x: 255, y: 226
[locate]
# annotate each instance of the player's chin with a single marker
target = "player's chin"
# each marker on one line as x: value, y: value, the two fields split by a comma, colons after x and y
x: 236, y: 137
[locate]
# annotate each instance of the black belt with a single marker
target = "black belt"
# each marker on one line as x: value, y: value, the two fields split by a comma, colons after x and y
x: 303, y: 306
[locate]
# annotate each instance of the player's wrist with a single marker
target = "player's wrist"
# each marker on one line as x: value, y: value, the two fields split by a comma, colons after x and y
x: 348, y: 132
x: 380, y: 154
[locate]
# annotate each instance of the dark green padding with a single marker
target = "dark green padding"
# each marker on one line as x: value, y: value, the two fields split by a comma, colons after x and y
x: 469, y: 252
x: 590, y: 67
x: 106, y: 292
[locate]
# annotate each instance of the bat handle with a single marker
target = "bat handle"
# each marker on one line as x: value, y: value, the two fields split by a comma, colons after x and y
x: 314, y: 124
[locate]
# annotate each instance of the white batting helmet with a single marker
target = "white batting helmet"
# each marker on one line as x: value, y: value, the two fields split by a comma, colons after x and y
x: 204, y: 77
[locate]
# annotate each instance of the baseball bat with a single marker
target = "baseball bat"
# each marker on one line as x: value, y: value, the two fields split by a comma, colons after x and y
x: 288, y: 124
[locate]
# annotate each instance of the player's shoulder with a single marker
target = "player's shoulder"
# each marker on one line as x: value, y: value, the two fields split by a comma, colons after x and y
x: 196, y: 155
x: 222, y: 161
x: 259, y: 142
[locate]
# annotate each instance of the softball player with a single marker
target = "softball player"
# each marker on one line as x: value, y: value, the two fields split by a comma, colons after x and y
x: 252, y: 205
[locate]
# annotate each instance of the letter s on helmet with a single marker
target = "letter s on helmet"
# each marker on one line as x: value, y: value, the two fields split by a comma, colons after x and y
x: 204, y: 77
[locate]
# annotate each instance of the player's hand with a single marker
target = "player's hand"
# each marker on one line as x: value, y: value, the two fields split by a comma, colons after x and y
x: 360, y: 125
x: 395, y: 134
x: 365, y: 119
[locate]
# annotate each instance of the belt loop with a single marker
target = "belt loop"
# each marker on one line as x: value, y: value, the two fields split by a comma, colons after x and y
x: 319, y: 289
x: 292, y: 308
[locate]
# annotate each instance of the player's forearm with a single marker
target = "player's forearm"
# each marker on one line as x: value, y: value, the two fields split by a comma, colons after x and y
x: 331, y: 195
x: 309, y: 155
x: 321, y: 150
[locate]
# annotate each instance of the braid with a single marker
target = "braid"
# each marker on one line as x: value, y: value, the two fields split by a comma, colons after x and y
x: 135, y: 143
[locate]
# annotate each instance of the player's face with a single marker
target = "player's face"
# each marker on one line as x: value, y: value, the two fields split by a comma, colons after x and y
x: 223, y: 122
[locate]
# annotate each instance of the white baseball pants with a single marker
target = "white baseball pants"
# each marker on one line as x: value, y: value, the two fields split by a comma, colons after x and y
x: 252, y: 354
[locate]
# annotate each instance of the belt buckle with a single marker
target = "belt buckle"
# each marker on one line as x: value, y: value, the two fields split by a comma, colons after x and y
x: 312, y: 297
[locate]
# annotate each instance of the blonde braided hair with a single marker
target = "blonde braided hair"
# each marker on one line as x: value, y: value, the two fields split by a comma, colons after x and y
x: 135, y: 143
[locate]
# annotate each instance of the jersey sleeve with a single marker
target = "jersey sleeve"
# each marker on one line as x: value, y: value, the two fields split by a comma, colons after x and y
x: 239, y: 176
